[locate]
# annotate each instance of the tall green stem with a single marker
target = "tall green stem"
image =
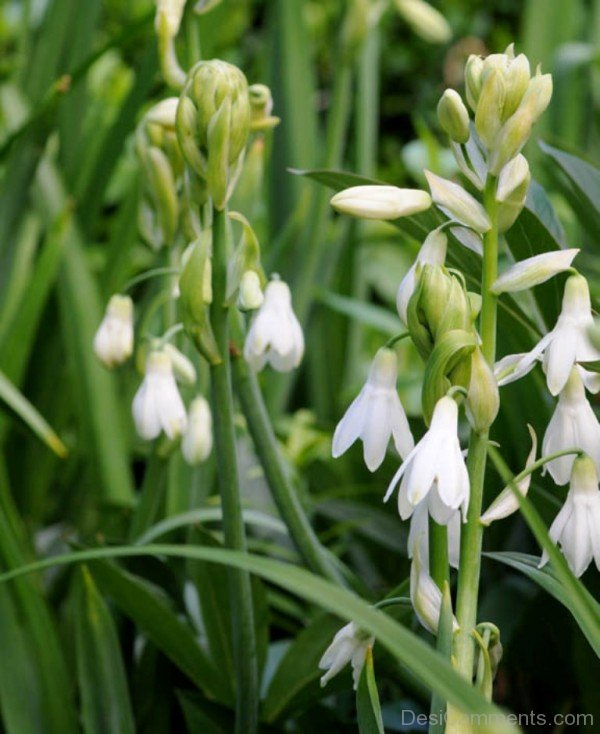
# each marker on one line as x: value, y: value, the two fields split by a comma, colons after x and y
x: 470, y: 547
x: 244, y: 642
x: 286, y: 499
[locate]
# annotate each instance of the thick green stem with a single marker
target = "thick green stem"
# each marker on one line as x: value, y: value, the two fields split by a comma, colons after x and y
x: 244, y: 642
x: 472, y: 531
x: 438, y: 553
x: 314, y: 554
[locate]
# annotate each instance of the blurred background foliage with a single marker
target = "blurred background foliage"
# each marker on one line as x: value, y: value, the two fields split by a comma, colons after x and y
x: 75, y: 78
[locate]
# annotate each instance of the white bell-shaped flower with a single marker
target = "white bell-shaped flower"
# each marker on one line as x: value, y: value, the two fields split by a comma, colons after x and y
x: 573, y: 425
x: 437, y: 463
x: 157, y: 405
x: 376, y: 415
x: 275, y: 335
x: 197, y: 441
x: 506, y: 503
x: 350, y: 645
x: 576, y: 528
x: 566, y: 345
x: 113, y: 342
x: 419, y: 530
x: 425, y: 595
x: 183, y: 368
x: 432, y: 252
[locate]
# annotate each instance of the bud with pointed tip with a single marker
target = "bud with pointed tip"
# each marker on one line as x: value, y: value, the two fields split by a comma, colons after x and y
x: 483, y: 399
x: 457, y: 203
x: 473, y: 80
x: 534, y: 270
x: 250, y: 294
x: 425, y: 20
x: 197, y: 440
x: 453, y: 116
x: 426, y: 596
x: 380, y: 202
x: 488, y: 116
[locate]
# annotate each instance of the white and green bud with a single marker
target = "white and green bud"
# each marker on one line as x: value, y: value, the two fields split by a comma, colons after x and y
x: 113, y: 341
x: 213, y: 124
x: 511, y: 192
x: 534, y: 270
x: 488, y: 115
x: 168, y: 16
x: 197, y: 441
x: 183, y: 369
x: 483, y: 398
x: 250, y: 294
x: 425, y: 595
x: 453, y: 116
x: 424, y: 20
x: 380, y: 202
x: 261, y: 106
x: 457, y: 203
x: 166, y: 24
x: 473, y: 80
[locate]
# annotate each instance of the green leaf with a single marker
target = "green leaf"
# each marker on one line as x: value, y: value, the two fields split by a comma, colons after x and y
x: 368, y: 708
x: 548, y: 579
x: 144, y: 604
x: 104, y: 695
x: 365, y: 313
x: 580, y: 181
x: 426, y: 664
x: 25, y: 410
x: 203, y: 716
x: 591, y: 366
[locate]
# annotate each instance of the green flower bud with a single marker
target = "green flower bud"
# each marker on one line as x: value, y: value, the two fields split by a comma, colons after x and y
x: 213, y: 123
x: 425, y: 20
x: 163, y: 189
x: 261, y: 106
x: 488, y: 115
x: 453, y: 116
x: 196, y: 294
x: 517, y: 81
x: 483, y: 399
x: 473, y: 80
x: 246, y: 258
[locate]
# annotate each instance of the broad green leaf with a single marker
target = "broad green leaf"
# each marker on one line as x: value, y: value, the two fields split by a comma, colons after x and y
x: 426, y: 664
x: 368, y: 709
x: 25, y: 410
x: 591, y: 366
x: 105, y: 700
x: 548, y: 580
x: 142, y: 603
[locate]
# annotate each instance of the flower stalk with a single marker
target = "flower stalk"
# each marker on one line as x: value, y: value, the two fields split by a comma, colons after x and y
x: 235, y: 538
x: 472, y: 535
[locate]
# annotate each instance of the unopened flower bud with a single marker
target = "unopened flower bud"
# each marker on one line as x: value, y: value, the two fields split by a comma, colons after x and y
x: 473, y: 80
x: 183, y: 369
x: 511, y: 194
x: 163, y: 113
x: 425, y: 20
x: 457, y: 203
x: 426, y: 596
x: 380, y: 202
x: 432, y: 252
x: 483, y: 399
x: 168, y: 16
x: 250, y: 295
x: 453, y: 116
x: 213, y: 124
x: 517, y: 81
x: 197, y: 440
x: 261, y: 106
x: 534, y: 270
x: 488, y: 115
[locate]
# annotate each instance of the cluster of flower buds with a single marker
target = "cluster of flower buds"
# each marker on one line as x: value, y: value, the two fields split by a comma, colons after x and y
x: 213, y: 124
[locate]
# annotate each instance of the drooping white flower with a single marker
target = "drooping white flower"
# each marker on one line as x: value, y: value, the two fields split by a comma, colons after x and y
x: 376, y: 415
x: 506, y: 503
x: 435, y: 462
x: 197, y: 440
x: 157, y: 405
x: 576, y: 528
x: 419, y: 530
x: 567, y: 344
x: 380, y: 202
x: 573, y: 425
x: 275, y: 335
x: 349, y: 645
x: 533, y: 271
x: 113, y: 342
x: 425, y: 595
x: 432, y: 252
